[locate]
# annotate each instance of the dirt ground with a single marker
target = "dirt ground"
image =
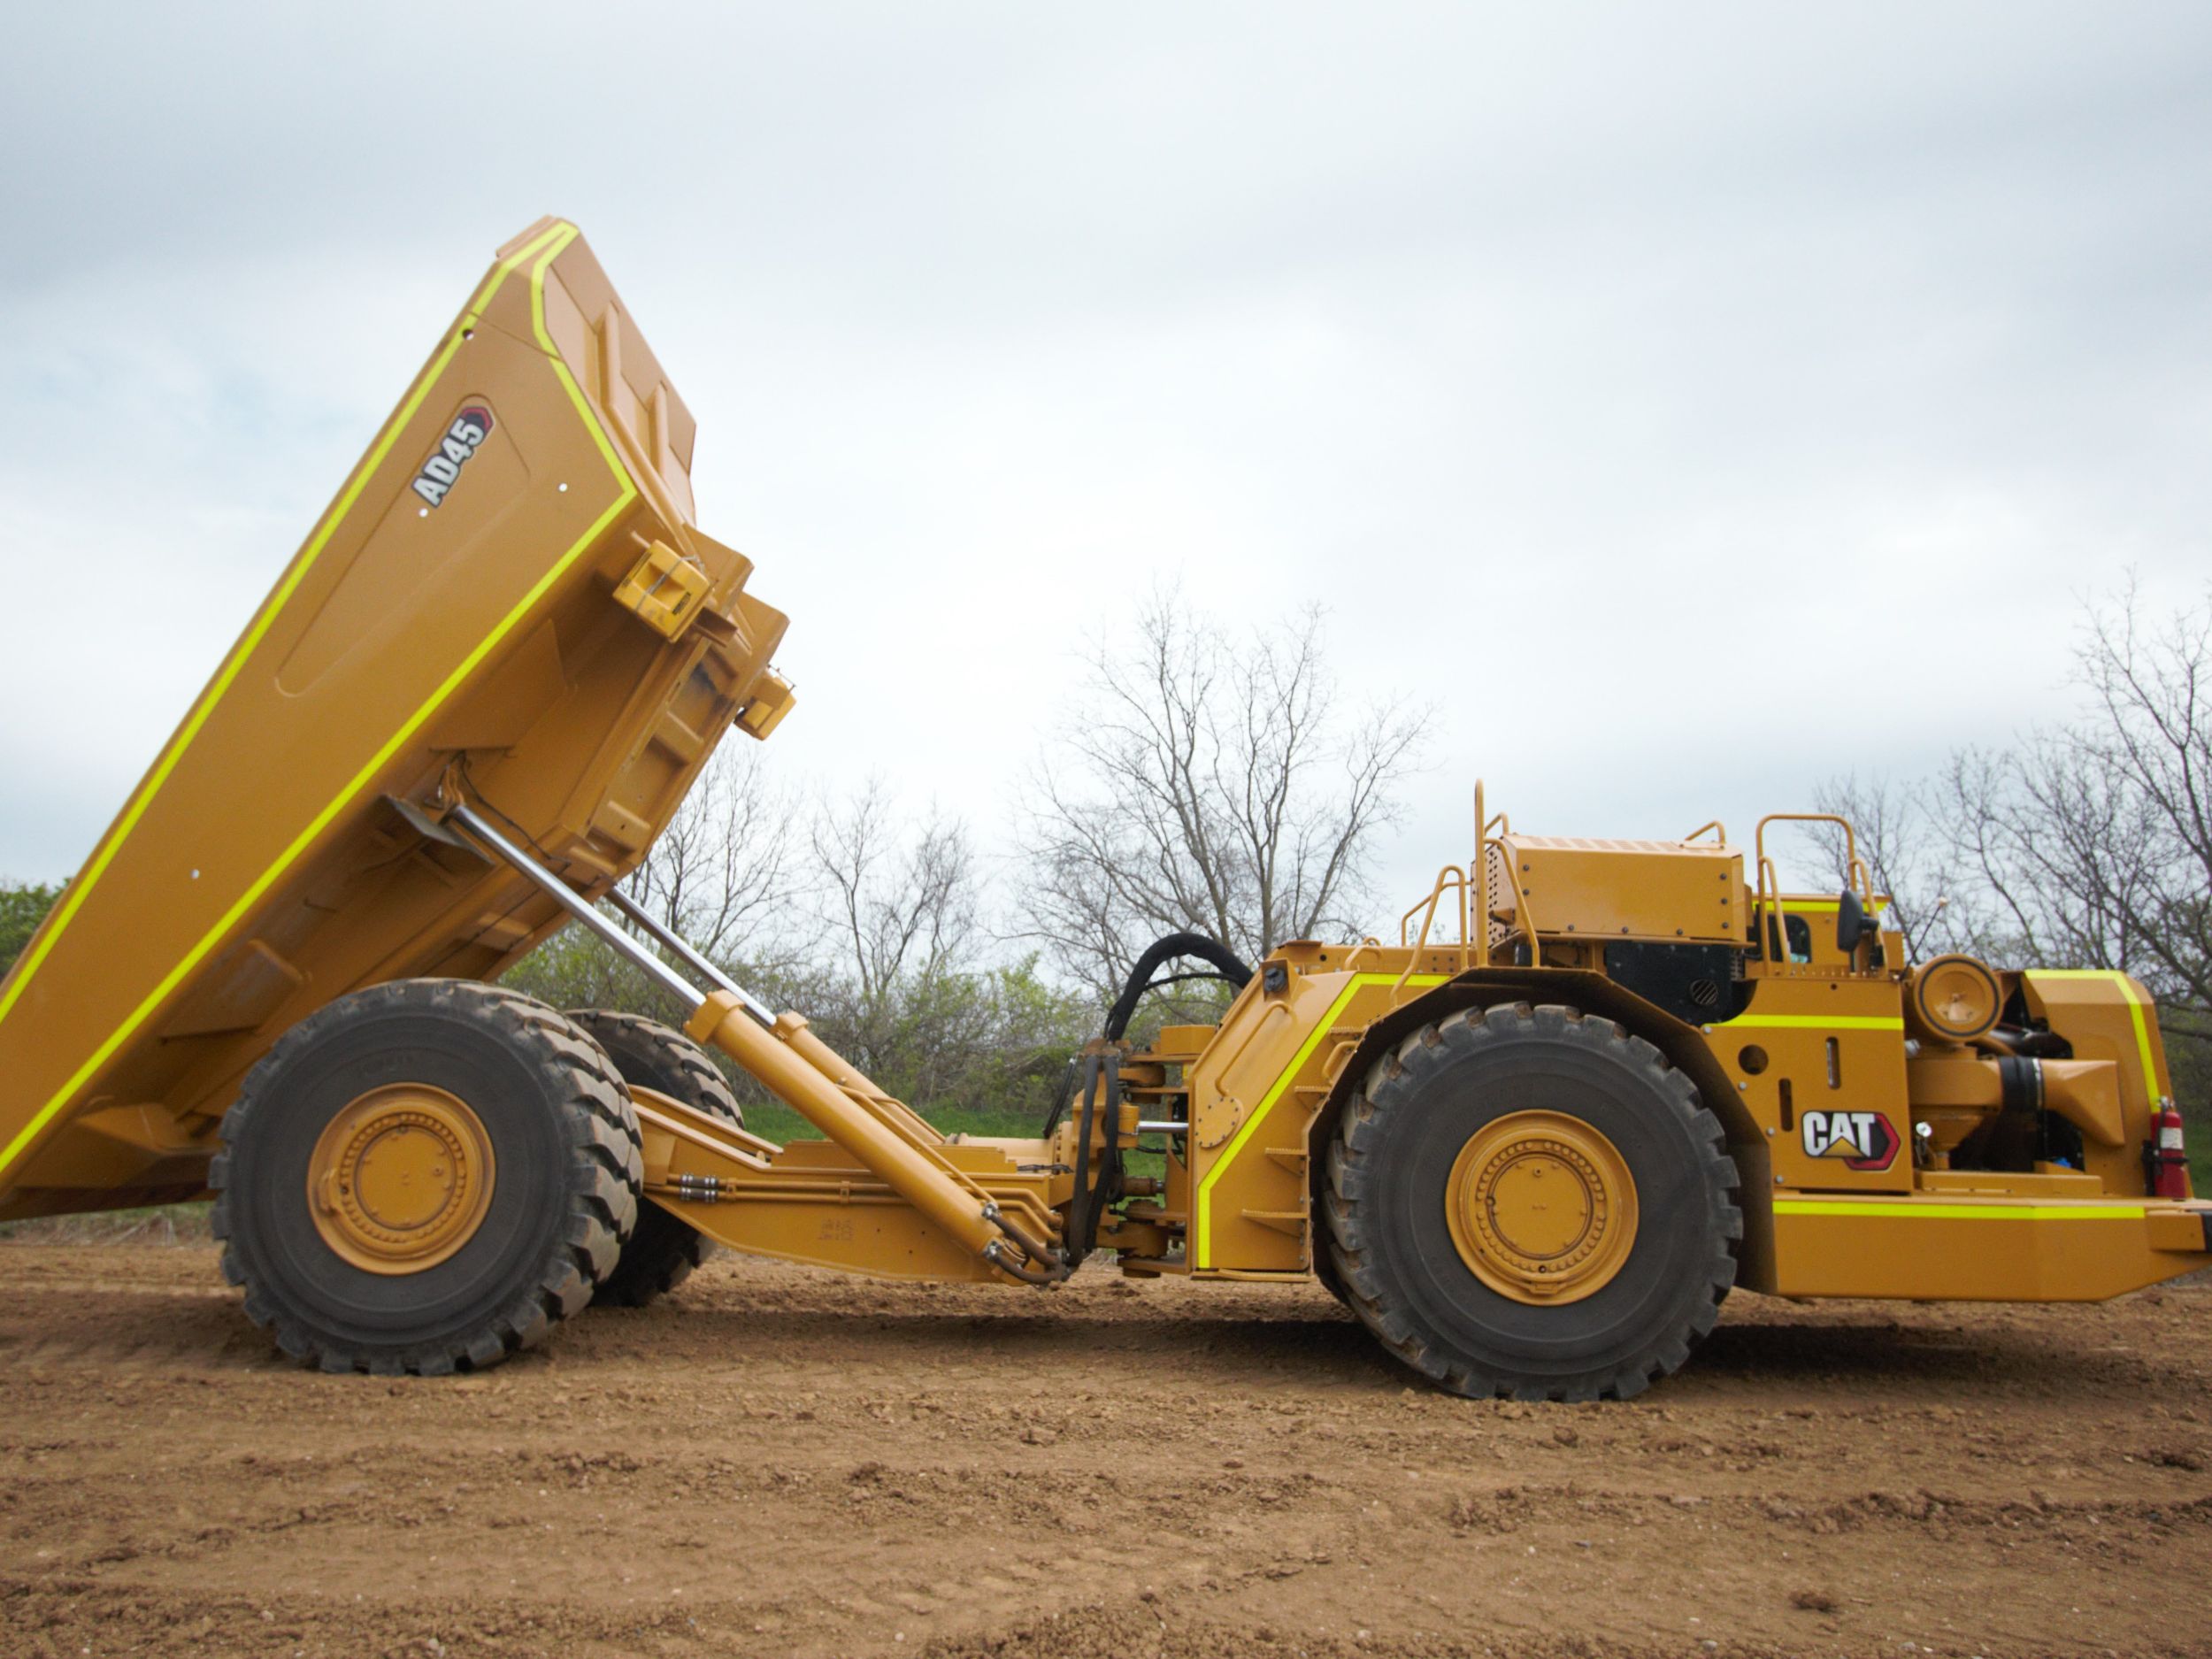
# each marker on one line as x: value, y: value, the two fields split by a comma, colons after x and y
x: 778, y: 1462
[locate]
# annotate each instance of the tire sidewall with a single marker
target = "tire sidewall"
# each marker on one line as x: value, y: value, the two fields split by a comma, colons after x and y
x: 1470, y: 1078
x: 665, y: 1248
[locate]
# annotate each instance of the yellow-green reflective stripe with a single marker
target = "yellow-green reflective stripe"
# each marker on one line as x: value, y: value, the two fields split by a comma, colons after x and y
x: 1933, y: 1211
x: 2152, y: 1088
x: 1202, y: 1244
x: 1816, y: 1022
x: 568, y: 234
x: 551, y: 243
x: 135, y: 808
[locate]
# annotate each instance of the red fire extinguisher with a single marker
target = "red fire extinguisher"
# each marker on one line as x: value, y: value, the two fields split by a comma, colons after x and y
x: 2169, y: 1163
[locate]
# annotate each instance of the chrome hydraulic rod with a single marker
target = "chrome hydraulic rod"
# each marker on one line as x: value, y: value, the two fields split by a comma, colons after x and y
x: 683, y: 947
x: 581, y: 907
x: 825, y: 1059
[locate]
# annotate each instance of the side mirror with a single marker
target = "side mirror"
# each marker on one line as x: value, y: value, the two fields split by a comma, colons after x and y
x: 1852, y: 923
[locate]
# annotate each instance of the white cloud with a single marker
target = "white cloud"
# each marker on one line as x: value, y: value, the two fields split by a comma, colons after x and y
x: 1693, y: 402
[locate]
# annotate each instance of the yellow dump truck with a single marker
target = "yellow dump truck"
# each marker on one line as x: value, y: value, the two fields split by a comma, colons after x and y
x: 1532, y: 1142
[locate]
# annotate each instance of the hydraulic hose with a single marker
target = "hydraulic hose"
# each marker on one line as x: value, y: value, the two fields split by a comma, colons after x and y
x: 1226, y: 965
x: 1225, y: 962
x: 1101, y: 1065
x: 1082, y: 1229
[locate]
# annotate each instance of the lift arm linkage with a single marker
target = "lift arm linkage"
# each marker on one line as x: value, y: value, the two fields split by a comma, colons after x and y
x: 886, y: 1136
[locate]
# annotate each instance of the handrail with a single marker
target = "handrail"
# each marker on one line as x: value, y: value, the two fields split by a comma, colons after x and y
x: 1450, y: 875
x: 1853, y: 866
x: 1478, y: 884
x: 1369, y: 943
x: 1712, y: 824
x: 1772, y: 931
x: 1768, y: 903
x: 1479, y: 881
x: 1855, y: 874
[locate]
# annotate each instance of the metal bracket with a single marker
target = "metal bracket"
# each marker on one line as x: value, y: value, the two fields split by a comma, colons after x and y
x: 430, y: 829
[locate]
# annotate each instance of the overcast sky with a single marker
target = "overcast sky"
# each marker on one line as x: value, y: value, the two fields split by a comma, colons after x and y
x: 1694, y: 402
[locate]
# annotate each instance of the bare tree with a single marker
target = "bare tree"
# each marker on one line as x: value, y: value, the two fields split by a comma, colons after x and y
x: 897, y: 981
x: 1908, y: 852
x: 2091, y: 841
x: 1210, y: 784
x: 2154, y: 687
x: 723, y: 873
x: 864, y: 918
x: 900, y: 904
x: 2087, y: 843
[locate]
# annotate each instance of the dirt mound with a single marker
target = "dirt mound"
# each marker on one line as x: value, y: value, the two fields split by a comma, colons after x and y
x: 776, y: 1461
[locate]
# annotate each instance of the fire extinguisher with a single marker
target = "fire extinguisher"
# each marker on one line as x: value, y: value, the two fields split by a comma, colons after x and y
x: 2168, y: 1162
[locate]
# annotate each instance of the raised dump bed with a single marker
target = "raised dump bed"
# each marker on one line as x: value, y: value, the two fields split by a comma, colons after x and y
x: 509, y: 590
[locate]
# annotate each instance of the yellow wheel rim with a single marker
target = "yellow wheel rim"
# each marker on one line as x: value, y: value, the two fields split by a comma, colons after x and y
x: 400, y: 1178
x: 1541, y: 1208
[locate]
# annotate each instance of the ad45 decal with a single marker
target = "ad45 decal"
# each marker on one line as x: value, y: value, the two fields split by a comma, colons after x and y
x: 462, y: 440
x: 1864, y: 1141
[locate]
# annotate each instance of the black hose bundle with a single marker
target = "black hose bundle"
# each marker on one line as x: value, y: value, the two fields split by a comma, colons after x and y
x: 1092, y: 1197
x: 1101, y: 1064
x: 1225, y: 964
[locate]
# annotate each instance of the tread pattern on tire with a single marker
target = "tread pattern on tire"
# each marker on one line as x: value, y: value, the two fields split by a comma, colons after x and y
x: 605, y: 1177
x: 664, y: 1250
x: 1389, y: 1090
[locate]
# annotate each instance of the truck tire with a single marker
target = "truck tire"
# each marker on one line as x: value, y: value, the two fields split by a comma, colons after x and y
x: 1528, y: 1201
x: 661, y: 1253
x: 424, y: 1177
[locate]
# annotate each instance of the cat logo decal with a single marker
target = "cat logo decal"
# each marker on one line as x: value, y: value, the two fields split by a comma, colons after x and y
x: 1864, y: 1141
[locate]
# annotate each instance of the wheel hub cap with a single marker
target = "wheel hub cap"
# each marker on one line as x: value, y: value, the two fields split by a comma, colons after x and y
x: 1541, y: 1207
x: 400, y: 1178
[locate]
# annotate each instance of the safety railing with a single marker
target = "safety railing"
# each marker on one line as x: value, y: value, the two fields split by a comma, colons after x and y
x: 1767, y: 909
x: 1469, y: 888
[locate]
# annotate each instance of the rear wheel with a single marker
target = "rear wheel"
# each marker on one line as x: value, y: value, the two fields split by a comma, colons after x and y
x: 424, y: 1177
x: 1527, y: 1201
x: 661, y: 1253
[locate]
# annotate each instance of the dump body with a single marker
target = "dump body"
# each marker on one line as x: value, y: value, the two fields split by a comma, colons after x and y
x: 510, y: 589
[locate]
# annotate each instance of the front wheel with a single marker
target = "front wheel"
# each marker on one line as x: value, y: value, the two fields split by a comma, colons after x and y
x: 424, y: 1177
x: 1529, y: 1201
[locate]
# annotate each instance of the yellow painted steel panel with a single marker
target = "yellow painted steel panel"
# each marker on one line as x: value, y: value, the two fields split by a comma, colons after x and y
x: 456, y: 589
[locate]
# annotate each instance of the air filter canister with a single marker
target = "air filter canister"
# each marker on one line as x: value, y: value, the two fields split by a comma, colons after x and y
x: 1952, y: 999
